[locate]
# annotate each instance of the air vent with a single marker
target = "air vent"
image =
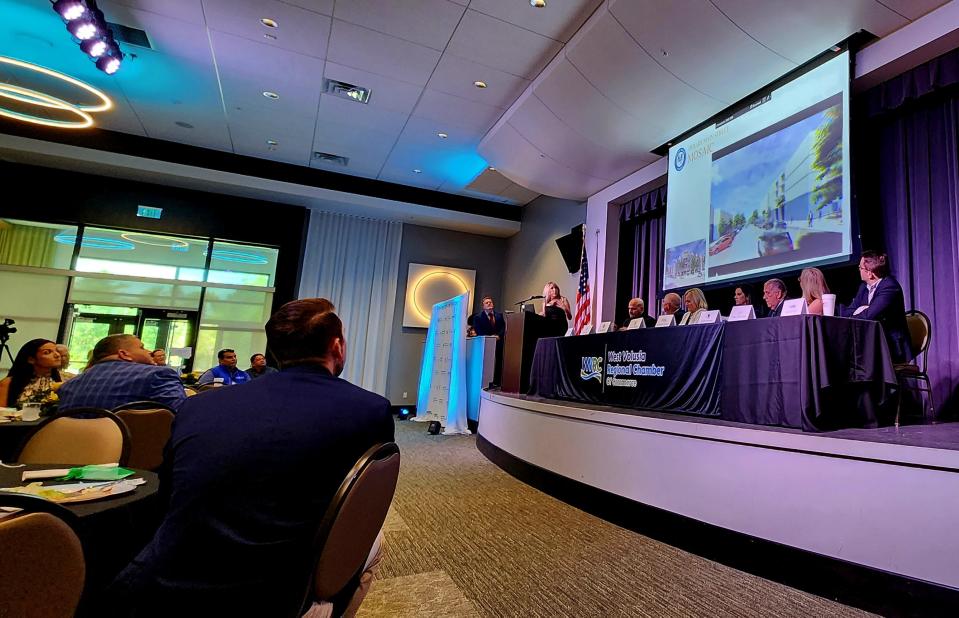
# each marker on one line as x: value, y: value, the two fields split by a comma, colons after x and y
x: 130, y: 36
x: 331, y: 158
x: 346, y: 91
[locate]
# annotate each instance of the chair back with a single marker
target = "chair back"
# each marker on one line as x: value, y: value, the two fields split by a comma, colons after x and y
x: 354, y: 518
x: 920, y: 335
x: 209, y: 386
x: 190, y: 392
x: 78, y: 437
x: 42, y: 559
x: 149, y: 424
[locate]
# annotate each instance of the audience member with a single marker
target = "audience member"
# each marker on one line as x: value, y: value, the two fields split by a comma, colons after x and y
x: 880, y: 298
x: 121, y: 371
x: 813, y: 285
x: 774, y: 293
x: 671, y: 306
x: 159, y: 356
x: 743, y: 295
x: 64, y: 353
x: 695, y: 301
x: 258, y: 367
x: 556, y: 309
x: 637, y: 309
x: 488, y: 321
x: 226, y: 372
x: 32, y: 374
x: 252, y: 472
x: 470, y: 331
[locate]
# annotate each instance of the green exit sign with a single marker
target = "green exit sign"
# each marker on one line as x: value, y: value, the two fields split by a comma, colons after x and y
x: 150, y: 212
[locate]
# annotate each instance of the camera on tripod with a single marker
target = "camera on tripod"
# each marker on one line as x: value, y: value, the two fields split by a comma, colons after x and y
x: 6, y: 329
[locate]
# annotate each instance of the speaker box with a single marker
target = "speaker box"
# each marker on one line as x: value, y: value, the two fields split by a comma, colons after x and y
x: 571, y: 247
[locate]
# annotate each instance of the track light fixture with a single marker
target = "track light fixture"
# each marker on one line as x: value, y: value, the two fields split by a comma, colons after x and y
x: 86, y: 23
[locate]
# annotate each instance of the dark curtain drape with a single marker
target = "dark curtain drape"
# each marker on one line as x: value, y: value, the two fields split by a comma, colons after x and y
x: 914, y: 122
x: 642, y: 239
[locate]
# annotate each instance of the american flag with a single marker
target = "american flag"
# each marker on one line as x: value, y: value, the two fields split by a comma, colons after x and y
x: 583, y: 315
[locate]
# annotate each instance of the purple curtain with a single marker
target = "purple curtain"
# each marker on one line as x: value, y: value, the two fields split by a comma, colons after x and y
x: 916, y: 126
x: 645, y: 218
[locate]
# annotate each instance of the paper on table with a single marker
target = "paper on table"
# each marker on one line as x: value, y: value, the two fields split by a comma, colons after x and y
x: 33, y: 475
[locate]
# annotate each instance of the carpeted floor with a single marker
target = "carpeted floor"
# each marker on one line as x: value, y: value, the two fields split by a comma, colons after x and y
x: 466, y: 539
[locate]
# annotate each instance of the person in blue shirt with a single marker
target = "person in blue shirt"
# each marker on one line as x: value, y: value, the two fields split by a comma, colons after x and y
x: 226, y: 371
x: 121, y: 371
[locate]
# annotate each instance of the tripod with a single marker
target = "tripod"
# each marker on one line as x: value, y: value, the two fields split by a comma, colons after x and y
x: 5, y: 348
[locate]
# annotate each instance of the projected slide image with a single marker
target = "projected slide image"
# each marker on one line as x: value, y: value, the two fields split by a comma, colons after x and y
x: 777, y: 196
x: 685, y: 264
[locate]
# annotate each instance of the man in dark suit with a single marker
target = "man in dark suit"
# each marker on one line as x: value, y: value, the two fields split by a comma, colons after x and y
x: 488, y: 321
x: 880, y: 298
x: 774, y: 293
x: 671, y: 306
x: 251, y: 471
x: 637, y: 309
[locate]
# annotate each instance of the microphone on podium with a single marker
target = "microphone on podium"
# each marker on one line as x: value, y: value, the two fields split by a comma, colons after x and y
x: 529, y: 299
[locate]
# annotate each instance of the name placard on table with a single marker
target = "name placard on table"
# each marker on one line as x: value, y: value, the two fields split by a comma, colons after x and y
x: 711, y: 316
x: 666, y: 320
x: 795, y: 306
x: 604, y: 327
x: 636, y: 323
x: 742, y: 312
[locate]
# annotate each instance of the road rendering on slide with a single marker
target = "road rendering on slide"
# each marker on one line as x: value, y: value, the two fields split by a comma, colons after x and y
x: 748, y: 241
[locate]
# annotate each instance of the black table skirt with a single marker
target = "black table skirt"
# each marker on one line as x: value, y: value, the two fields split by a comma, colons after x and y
x: 811, y: 372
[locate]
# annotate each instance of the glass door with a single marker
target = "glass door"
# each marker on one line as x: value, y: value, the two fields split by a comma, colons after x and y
x: 173, y: 332
x: 90, y: 324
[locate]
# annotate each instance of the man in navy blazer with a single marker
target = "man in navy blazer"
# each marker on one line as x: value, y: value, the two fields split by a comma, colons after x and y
x: 880, y: 298
x: 251, y: 471
x: 488, y: 321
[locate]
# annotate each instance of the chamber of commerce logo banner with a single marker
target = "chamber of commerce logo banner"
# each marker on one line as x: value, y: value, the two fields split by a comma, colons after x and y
x: 592, y: 368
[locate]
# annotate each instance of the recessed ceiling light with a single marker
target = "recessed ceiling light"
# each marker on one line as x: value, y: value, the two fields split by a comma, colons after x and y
x: 492, y: 169
x: 442, y: 135
x: 417, y: 171
x: 538, y: 4
x: 185, y: 125
x: 479, y: 84
x: 271, y: 95
x: 272, y: 142
x: 269, y: 23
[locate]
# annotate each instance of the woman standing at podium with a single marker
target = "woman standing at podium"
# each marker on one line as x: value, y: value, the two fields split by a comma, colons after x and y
x: 556, y: 308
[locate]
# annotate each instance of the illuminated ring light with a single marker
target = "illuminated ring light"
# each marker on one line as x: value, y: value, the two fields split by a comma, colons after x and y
x: 94, y: 242
x: 175, y: 243
x: 40, y: 99
x: 242, y: 257
x: 438, y: 273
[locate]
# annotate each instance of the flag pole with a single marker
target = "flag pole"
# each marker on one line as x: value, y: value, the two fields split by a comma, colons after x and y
x: 592, y: 313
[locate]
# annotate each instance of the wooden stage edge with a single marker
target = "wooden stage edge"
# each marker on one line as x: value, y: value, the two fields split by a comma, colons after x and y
x: 869, y: 523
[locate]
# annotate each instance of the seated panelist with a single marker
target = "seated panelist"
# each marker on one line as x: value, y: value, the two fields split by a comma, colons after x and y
x: 880, y: 298
x: 637, y: 309
x: 695, y: 302
x: 813, y: 284
x: 774, y: 293
x: 671, y: 306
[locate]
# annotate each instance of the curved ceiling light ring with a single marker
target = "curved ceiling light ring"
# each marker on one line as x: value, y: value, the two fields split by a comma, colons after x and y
x: 104, y: 104
x: 435, y: 273
x: 26, y: 95
x: 174, y: 242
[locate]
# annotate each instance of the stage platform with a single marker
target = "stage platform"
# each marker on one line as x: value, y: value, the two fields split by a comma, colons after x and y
x: 884, y: 501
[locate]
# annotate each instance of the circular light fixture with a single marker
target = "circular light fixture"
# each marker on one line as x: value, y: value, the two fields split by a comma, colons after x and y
x: 151, y: 240
x: 537, y: 4
x: 272, y: 142
x: 442, y: 135
x: 9, y: 91
x: 269, y: 23
x: 243, y: 257
x: 104, y: 104
x: 492, y: 169
x: 417, y: 171
x: 271, y: 95
x: 435, y: 273
x: 94, y: 242
x: 479, y: 84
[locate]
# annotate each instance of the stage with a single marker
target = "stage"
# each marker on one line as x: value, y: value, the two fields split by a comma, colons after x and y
x: 885, y: 499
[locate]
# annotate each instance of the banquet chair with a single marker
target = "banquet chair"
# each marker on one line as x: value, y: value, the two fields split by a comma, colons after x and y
x: 41, y: 559
x: 920, y: 336
x: 207, y: 387
x: 79, y: 436
x: 149, y: 424
x: 350, y: 526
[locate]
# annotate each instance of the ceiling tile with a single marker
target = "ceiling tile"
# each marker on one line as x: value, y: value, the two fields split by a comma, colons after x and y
x: 350, y: 116
x: 292, y: 146
x: 699, y: 45
x: 490, y: 182
x: 317, y: 6
x: 913, y: 9
x: 247, y: 69
x: 558, y: 21
x: 519, y: 194
x: 455, y: 75
x: 385, y: 93
x: 183, y: 10
x: 426, y: 22
x: 501, y: 45
x: 298, y: 30
x: 447, y: 111
x: 372, y: 51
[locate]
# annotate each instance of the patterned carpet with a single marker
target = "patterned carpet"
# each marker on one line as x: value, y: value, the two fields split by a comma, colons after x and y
x: 466, y: 539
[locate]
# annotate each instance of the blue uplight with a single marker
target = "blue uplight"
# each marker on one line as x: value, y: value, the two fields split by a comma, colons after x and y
x: 94, y: 242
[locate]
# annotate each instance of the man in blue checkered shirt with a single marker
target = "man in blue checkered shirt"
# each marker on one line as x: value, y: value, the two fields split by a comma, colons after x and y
x: 122, y: 371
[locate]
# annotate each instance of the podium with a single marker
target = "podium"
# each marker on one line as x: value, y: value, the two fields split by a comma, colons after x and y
x: 523, y: 330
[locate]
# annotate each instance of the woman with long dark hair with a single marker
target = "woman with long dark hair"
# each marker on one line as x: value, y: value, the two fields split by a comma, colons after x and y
x: 33, y: 372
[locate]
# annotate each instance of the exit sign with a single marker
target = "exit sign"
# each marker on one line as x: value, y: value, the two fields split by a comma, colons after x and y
x: 150, y: 212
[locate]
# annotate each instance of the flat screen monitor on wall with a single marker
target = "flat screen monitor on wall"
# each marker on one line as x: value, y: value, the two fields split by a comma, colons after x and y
x: 766, y: 188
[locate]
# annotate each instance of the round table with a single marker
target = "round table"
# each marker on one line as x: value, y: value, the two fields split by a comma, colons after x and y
x: 112, y: 530
x: 12, y: 435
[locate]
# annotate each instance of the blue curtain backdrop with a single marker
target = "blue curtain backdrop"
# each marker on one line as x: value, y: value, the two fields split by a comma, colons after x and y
x: 914, y: 127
